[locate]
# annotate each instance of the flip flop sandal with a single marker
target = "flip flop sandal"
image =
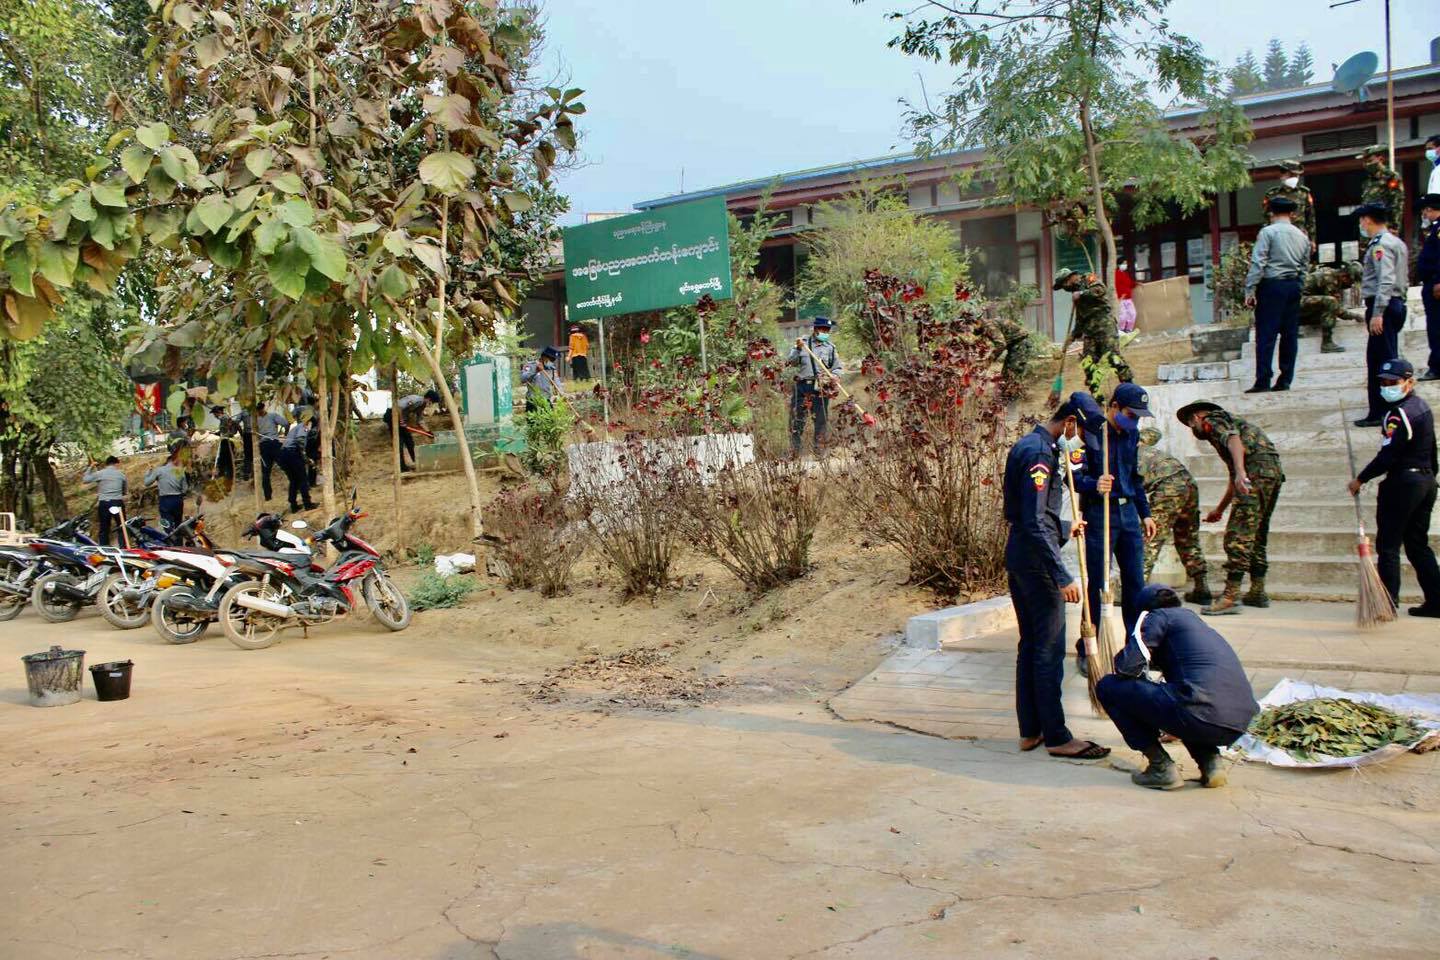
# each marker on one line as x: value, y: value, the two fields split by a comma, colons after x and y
x: 1092, y: 751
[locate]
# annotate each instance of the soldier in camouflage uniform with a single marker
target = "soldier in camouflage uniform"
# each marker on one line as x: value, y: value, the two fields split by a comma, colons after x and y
x: 1255, y: 481
x: 1092, y: 322
x: 1304, y: 215
x: 1383, y: 185
x: 1320, y: 300
x: 1175, y: 506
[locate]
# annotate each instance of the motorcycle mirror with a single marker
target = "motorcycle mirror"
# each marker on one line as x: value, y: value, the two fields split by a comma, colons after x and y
x: 114, y: 511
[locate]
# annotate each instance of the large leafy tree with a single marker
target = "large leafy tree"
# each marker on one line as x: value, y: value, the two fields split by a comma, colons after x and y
x: 1064, y: 95
x: 343, y: 189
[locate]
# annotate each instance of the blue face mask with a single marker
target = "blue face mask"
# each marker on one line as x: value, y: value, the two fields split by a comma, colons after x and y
x: 1432, y: 154
x: 1393, y: 393
x: 1125, y: 421
x: 822, y: 337
x: 1070, y: 444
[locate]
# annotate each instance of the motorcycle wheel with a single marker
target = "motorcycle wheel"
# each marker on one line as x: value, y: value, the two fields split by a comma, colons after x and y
x: 48, y: 605
x: 386, y: 601
x: 249, y: 629
x: 168, y: 624
x: 11, y: 603
x: 121, y: 613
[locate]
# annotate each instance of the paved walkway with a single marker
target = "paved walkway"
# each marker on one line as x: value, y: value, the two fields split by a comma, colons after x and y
x: 968, y: 692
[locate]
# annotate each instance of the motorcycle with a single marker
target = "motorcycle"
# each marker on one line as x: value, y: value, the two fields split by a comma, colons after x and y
x: 124, y: 599
x: 20, y: 566
x: 191, y: 583
x: 278, y: 594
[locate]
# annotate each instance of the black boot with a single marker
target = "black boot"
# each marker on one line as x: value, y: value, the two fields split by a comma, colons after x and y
x: 1201, y: 594
x: 1160, y: 774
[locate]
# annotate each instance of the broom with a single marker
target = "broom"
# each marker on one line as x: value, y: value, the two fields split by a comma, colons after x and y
x: 1102, y: 660
x: 1087, y: 629
x: 1373, y: 605
x: 868, y: 420
x: 1058, y: 383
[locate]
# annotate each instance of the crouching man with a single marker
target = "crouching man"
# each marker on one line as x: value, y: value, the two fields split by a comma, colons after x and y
x: 1204, y: 700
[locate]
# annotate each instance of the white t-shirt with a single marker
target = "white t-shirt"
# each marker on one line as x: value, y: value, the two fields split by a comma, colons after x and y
x: 1434, y: 180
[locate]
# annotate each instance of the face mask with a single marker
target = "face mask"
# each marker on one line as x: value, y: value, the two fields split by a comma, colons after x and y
x: 823, y: 337
x: 1126, y: 422
x: 1291, y: 182
x: 1432, y: 154
x: 1070, y: 444
x: 1393, y: 393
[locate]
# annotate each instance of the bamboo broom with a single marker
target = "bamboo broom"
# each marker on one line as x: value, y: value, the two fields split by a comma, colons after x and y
x: 1087, y: 629
x: 1373, y: 604
x: 1102, y: 661
x: 868, y: 420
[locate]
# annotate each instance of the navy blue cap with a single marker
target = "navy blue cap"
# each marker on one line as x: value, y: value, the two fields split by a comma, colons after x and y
x: 1156, y: 595
x: 1375, y: 211
x: 1133, y: 396
x: 1431, y: 200
x: 1396, y: 368
x: 550, y: 352
x: 1281, y: 205
x: 822, y: 322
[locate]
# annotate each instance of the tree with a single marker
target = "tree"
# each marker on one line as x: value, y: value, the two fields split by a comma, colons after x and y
x: 1276, y: 71
x: 1059, y: 93
x: 1245, y: 77
x: 874, y: 228
x: 1302, y: 67
x: 290, y: 218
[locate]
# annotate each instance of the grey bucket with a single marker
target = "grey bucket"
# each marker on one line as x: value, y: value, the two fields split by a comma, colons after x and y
x: 55, y: 677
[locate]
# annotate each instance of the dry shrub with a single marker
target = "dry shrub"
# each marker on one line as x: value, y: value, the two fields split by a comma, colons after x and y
x: 537, y: 540
x: 631, y: 498
x: 757, y: 520
x: 927, y: 477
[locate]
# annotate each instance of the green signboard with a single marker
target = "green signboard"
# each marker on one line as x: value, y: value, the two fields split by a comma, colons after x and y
x: 648, y: 261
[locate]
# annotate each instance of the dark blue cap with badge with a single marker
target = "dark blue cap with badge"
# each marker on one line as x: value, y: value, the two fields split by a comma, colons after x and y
x: 1396, y: 368
x: 822, y: 323
x: 1281, y: 205
x: 1133, y: 397
x: 1375, y: 211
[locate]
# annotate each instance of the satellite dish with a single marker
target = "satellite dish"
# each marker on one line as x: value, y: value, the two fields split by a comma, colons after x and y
x: 1352, y: 75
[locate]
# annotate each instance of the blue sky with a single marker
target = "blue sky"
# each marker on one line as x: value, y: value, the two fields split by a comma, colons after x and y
x: 727, y: 90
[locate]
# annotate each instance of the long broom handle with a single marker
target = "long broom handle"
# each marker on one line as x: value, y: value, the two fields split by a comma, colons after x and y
x: 1080, y: 543
x: 560, y: 395
x: 1350, y: 452
x: 815, y: 362
x: 1105, y: 505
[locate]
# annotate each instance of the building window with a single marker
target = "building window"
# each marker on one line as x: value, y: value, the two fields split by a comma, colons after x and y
x: 1354, y: 138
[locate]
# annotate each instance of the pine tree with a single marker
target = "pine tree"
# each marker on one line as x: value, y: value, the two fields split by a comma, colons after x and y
x: 1277, y: 66
x: 1302, y: 67
x: 1245, y: 75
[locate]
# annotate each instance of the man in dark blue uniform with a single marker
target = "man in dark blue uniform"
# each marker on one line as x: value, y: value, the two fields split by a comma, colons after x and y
x: 1130, y: 522
x: 1205, y: 698
x: 1427, y: 270
x: 1407, y: 494
x: 1040, y: 586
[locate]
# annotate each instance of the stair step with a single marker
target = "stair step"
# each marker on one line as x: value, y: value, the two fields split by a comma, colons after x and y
x: 1321, y: 489
x: 1314, y: 542
x: 1412, y: 342
x: 1314, y: 576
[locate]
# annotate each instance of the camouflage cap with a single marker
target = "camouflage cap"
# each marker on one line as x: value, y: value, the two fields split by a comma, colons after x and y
x: 1150, y: 436
x: 1353, y: 270
x: 1371, y: 151
x: 1061, y: 276
x: 1291, y: 166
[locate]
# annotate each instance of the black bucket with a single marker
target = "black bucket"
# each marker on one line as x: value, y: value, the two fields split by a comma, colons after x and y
x: 112, y: 680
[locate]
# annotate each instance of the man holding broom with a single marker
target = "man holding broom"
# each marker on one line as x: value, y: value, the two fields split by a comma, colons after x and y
x: 1255, y: 481
x: 1407, y: 494
x: 1040, y: 586
x: 807, y: 395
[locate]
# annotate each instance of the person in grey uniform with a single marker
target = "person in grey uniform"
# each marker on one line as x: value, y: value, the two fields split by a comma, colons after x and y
x: 111, y: 487
x: 271, y: 428
x: 171, y: 484
x: 292, y: 460
x: 1383, y: 282
x: 1272, y: 287
x: 806, y: 395
x: 412, y: 408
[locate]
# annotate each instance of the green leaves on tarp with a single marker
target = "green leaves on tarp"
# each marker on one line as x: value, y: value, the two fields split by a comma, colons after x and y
x: 1332, y: 727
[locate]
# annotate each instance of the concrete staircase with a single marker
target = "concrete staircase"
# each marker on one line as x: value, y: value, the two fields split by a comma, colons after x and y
x: 1312, y: 535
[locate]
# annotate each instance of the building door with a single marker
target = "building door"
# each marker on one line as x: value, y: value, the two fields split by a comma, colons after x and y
x: 1028, y: 275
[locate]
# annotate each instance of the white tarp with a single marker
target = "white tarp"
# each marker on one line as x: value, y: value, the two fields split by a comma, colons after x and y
x: 1423, y: 709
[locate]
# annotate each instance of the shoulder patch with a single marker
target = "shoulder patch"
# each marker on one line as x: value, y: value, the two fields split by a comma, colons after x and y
x: 1039, y: 475
x: 1077, y: 457
x: 1379, y: 253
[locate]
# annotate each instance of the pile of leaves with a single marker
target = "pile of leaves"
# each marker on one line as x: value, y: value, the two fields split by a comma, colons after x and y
x: 642, y: 677
x: 434, y: 592
x: 1332, y: 727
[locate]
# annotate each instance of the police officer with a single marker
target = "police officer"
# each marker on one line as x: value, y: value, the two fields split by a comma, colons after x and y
x: 1175, y: 506
x: 1040, y: 586
x: 1320, y: 300
x: 1204, y: 698
x: 271, y: 427
x: 1092, y: 322
x: 1407, y: 494
x: 1427, y: 271
x: 1291, y: 189
x: 1256, y: 477
x: 540, y: 378
x: 807, y: 394
x: 1277, y: 272
x: 1383, y: 284
x: 111, y: 486
x: 1383, y: 186
x: 412, y: 408
x: 292, y: 459
x: 1130, y: 521
x: 171, y: 484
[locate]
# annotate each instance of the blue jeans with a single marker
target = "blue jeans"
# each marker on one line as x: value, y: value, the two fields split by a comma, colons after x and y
x: 1040, y: 659
x: 1382, y: 347
x: 1127, y: 542
x: 806, y: 399
x: 1141, y: 710
x: 1277, y: 314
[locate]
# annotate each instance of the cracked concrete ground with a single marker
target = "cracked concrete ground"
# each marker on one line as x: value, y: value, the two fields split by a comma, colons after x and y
x: 348, y: 796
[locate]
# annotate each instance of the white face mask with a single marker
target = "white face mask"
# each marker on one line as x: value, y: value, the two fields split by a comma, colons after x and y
x: 1291, y: 182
